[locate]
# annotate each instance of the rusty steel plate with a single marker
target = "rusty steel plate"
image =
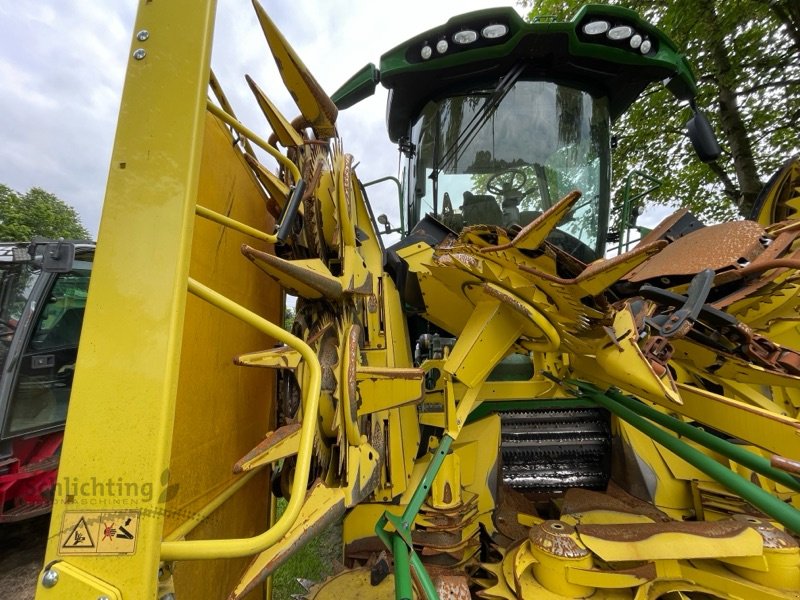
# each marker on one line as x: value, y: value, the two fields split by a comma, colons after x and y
x: 719, y: 247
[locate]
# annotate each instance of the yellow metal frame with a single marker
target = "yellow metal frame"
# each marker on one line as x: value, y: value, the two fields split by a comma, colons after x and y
x: 124, y: 398
x: 156, y: 361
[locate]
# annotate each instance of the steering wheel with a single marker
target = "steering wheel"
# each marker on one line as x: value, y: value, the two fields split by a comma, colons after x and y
x: 509, y: 180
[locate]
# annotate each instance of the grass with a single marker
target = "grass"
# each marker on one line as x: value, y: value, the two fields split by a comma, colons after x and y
x: 313, y: 561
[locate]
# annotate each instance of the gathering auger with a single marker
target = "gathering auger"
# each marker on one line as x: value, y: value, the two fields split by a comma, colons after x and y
x: 490, y: 406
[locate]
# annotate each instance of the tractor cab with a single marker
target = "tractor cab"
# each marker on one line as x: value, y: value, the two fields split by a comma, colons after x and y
x: 43, y: 290
x: 499, y: 118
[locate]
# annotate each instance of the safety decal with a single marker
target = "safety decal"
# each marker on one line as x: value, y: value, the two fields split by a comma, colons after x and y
x: 96, y: 532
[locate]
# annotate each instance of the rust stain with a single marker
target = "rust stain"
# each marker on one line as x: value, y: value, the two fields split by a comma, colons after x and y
x: 599, y: 266
x: 505, y: 298
x: 730, y: 245
x: 390, y: 372
x: 756, y: 284
x: 636, y: 532
x: 452, y: 587
x: 465, y: 259
x: 327, y: 287
x: 447, y: 495
x: 773, y: 537
x: 364, y: 288
x: 272, y: 439
x: 304, y: 530
x: 579, y: 500
x: 557, y: 538
x: 353, y: 351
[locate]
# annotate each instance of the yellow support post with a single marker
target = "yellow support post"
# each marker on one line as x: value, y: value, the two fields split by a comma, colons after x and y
x: 142, y: 462
x: 123, y: 398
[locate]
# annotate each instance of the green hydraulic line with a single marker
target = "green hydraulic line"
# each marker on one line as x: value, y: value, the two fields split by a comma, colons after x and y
x: 428, y: 589
x: 401, y: 537
x: 737, y: 454
x: 402, y: 585
x: 764, y: 501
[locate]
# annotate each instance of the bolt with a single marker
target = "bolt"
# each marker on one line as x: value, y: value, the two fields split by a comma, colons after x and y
x: 139, y: 53
x: 169, y: 596
x: 103, y: 597
x: 50, y: 578
x: 143, y: 35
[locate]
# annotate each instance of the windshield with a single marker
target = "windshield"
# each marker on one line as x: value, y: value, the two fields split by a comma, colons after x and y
x: 16, y: 283
x: 502, y: 157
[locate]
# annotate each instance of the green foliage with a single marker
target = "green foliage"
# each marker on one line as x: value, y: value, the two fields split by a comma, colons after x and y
x: 288, y: 318
x: 746, y: 56
x: 37, y: 213
x: 313, y: 561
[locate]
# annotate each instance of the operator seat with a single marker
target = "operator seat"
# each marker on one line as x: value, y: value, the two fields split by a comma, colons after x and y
x: 481, y: 209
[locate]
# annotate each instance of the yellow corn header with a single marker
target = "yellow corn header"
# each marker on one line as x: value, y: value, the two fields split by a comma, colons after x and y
x: 491, y: 407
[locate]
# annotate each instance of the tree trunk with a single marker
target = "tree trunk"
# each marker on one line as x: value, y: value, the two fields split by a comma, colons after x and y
x: 733, y: 126
x: 788, y: 14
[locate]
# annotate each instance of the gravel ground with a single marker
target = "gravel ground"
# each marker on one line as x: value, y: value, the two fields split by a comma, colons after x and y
x: 22, y: 547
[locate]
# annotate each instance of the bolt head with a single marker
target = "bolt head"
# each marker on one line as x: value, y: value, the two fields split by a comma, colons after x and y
x: 139, y: 53
x: 103, y: 597
x: 143, y: 35
x: 50, y: 578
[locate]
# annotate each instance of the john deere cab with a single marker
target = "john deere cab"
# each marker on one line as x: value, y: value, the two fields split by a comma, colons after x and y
x: 500, y: 118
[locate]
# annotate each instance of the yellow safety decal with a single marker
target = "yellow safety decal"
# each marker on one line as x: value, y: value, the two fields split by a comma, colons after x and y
x: 98, y: 532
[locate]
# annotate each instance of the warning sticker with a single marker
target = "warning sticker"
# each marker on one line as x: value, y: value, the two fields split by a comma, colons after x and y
x: 79, y: 538
x: 96, y: 532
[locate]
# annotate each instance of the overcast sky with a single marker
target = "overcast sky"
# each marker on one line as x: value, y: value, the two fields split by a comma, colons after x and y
x: 62, y: 68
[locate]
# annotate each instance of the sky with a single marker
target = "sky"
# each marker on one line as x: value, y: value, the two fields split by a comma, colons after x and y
x: 62, y: 69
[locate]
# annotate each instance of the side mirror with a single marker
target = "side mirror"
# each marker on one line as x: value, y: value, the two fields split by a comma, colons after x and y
x: 384, y: 220
x: 360, y: 86
x: 702, y: 136
x: 58, y: 257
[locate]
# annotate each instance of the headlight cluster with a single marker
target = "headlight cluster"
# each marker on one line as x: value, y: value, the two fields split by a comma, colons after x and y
x: 617, y: 33
x: 464, y: 37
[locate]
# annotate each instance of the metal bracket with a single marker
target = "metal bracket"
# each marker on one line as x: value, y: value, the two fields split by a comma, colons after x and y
x: 680, y: 321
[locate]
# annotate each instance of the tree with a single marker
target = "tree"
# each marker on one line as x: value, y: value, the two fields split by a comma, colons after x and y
x: 746, y: 55
x: 288, y: 317
x: 37, y: 213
